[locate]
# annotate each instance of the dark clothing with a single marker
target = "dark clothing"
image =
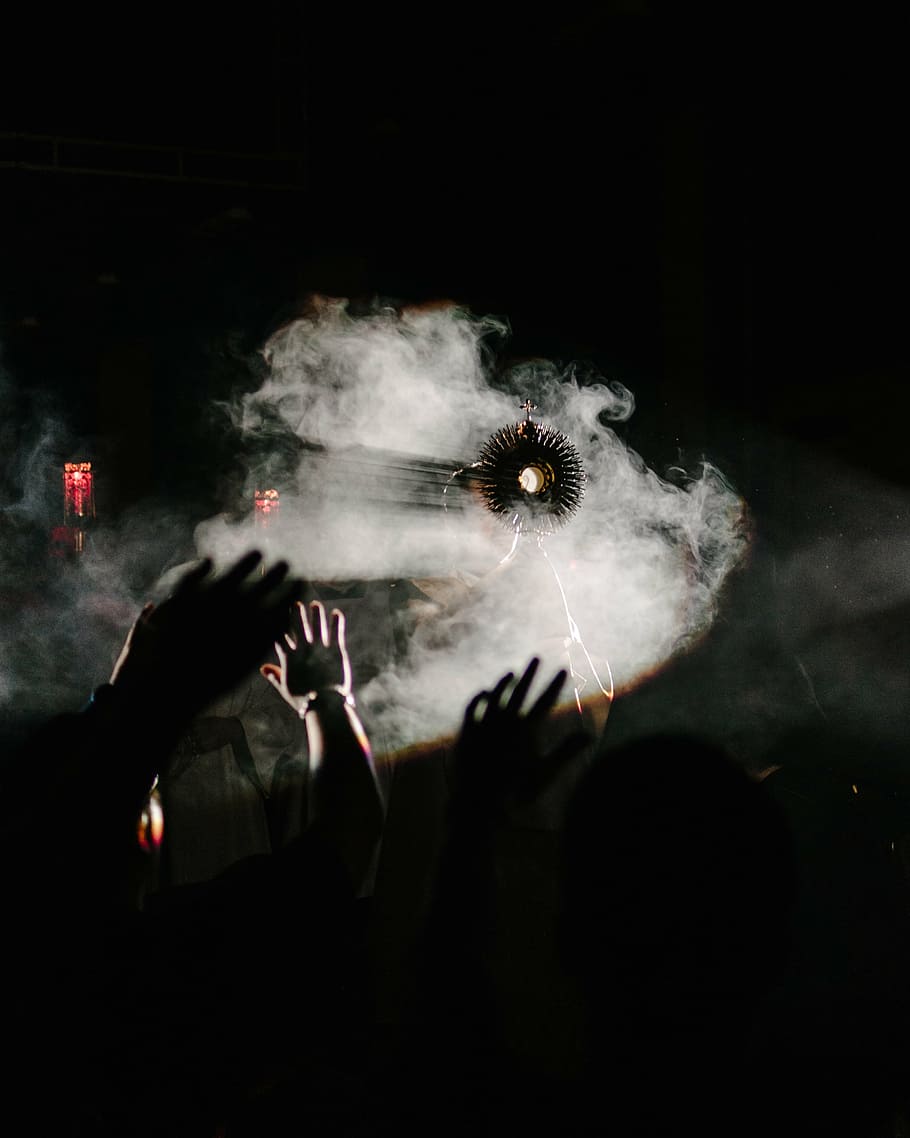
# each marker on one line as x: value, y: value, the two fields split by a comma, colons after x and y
x: 168, y: 1019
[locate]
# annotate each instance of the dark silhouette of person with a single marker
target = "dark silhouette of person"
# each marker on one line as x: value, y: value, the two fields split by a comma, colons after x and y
x: 504, y: 760
x: 678, y: 884
x: 139, y: 1014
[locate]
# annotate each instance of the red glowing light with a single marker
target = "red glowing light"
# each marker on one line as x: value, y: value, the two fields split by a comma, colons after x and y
x: 150, y: 828
x: 267, y: 503
x: 78, y: 492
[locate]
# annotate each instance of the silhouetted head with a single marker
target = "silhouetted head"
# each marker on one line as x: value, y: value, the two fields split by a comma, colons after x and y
x: 678, y: 883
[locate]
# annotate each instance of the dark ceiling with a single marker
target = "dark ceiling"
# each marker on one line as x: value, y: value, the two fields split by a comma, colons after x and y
x: 708, y: 208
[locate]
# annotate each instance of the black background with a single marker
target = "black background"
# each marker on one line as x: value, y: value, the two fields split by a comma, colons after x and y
x: 708, y: 207
x: 705, y: 202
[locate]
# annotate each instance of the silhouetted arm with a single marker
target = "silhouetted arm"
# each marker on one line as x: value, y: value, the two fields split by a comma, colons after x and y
x: 313, y: 675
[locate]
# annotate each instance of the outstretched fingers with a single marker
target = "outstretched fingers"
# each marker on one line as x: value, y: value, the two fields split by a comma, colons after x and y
x: 339, y: 633
x: 520, y: 691
x: 265, y: 587
x: 495, y: 696
x: 318, y: 624
x: 303, y: 634
x: 193, y: 577
x: 238, y: 572
x: 274, y: 672
x: 339, y: 629
x: 548, y: 700
x: 473, y: 713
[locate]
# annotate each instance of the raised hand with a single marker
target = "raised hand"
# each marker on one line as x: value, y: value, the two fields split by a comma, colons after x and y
x: 501, y: 761
x: 205, y: 638
x: 313, y: 675
x: 313, y: 658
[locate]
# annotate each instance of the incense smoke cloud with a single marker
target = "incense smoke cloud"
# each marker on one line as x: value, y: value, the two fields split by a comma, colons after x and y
x: 396, y: 402
x: 63, y: 618
x: 382, y: 405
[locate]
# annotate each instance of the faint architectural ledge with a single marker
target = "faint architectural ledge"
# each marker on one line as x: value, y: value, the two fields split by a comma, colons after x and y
x: 61, y: 154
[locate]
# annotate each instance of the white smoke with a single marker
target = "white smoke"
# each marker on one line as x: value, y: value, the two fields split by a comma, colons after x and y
x: 64, y: 617
x: 383, y: 405
x: 843, y: 597
x: 397, y: 401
